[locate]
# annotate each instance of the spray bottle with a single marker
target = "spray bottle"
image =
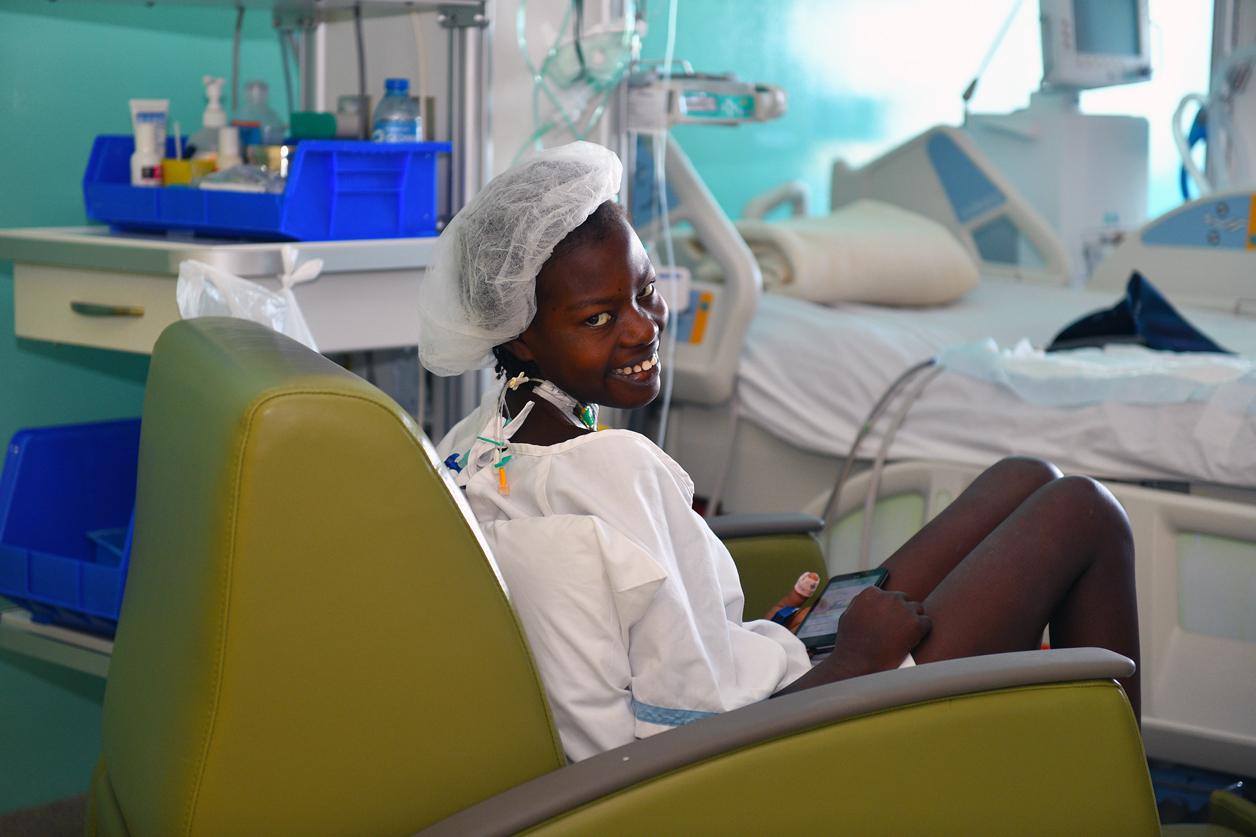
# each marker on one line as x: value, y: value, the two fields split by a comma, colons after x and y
x: 206, y: 139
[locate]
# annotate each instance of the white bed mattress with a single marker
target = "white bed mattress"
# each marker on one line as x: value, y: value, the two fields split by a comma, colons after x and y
x: 809, y: 374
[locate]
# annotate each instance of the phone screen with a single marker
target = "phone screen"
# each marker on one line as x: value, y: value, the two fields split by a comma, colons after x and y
x: 819, y: 629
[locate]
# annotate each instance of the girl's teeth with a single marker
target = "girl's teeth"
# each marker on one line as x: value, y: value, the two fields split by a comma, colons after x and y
x: 644, y: 366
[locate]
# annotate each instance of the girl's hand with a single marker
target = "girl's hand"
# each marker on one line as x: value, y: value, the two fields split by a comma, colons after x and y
x: 877, y: 632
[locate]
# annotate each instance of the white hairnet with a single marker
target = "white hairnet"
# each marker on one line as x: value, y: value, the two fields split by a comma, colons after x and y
x: 480, y: 287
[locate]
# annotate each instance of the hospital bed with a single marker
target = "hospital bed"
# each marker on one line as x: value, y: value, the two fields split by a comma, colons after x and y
x: 806, y: 376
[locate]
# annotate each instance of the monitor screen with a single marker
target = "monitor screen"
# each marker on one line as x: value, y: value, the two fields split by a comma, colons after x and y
x: 1106, y: 27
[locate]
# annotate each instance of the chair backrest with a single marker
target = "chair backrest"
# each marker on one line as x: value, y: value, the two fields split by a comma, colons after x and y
x: 312, y: 639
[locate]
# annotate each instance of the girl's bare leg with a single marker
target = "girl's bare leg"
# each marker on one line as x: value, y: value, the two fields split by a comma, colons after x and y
x: 1018, y: 550
x: 1065, y: 558
x: 921, y: 563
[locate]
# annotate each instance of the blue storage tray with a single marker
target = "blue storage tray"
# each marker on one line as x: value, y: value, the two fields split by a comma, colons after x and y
x: 67, y: 501
x: 337, y: 189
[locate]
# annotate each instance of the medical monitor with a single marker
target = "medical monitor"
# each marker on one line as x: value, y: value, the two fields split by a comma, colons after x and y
x: 1094, y: 43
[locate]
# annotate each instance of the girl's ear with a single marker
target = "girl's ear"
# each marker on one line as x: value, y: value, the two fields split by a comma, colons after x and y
x: 519, y: 349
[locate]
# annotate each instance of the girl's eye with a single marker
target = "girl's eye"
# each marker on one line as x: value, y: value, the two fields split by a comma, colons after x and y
x: 648, y: 290
x: 599, y: 319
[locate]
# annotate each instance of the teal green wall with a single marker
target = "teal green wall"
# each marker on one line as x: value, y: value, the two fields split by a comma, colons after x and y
x: 67, y: 70
x: 49, y: 730
x: 863, y: 76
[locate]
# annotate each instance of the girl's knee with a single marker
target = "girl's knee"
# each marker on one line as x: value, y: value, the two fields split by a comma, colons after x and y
x: 1087, y: 492
x: 1028, y: 470
x: 1091, y: 501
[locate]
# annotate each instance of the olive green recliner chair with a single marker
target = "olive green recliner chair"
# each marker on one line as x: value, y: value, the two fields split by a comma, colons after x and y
x: 313, y: 642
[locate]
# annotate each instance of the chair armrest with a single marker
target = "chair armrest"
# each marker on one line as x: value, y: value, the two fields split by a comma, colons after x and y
x: 756, y: 525
x: 1233, y: 812
x: 771, y: 551
x: 578, y: 784
x: 768, y: 566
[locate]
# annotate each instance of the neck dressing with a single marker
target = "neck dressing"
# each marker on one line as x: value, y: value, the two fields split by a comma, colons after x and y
x: 586, y: 414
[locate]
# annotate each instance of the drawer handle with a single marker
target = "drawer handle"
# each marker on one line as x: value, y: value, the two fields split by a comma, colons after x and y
x: 93, y: 309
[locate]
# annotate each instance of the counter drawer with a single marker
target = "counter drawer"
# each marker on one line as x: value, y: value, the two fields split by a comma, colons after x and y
x: 100, y: 308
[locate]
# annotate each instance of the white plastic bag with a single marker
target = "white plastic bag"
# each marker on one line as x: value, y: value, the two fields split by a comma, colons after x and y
x: 206, y: 291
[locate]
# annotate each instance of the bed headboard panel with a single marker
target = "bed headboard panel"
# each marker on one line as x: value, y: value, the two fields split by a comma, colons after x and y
x: 943, y: 175
x: 711, y: 332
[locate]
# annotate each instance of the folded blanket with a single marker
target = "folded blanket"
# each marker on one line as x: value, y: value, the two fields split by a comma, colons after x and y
x: 867, y: 251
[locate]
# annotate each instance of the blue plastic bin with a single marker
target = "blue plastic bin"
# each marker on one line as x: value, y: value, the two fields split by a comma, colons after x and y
x: 337, y: 189
x: 67, y: 501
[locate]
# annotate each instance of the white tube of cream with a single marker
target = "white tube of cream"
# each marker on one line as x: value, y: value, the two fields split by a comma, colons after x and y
x: 151, y: 110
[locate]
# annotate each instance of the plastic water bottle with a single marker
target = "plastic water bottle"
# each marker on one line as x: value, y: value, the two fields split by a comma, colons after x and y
x: 397, y: 118
x: 268, y: 127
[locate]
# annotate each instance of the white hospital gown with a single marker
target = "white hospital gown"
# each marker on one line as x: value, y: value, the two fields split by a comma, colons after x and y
x: 631, y: 606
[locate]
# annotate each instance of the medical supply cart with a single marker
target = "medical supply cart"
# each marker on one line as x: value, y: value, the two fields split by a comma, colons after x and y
x: 112, y: 289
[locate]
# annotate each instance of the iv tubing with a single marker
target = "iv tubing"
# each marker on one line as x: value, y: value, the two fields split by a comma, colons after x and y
x: 539, y: 83
x: 660, y: 189
x: 365, y: 131
x: 1179, y: 139
x: 717, y: 494
x: 235, y: 59
x: 830, y: 509
x: 1215, y: 110
x: 420, y: 54
x: 538, y: 80
x: 870, y: 501
x: 985, y: 63
x: 287, y: 70
x: 295, y: 52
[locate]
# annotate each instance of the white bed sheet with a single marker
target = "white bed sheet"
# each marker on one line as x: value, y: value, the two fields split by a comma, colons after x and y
x: 809, y: 374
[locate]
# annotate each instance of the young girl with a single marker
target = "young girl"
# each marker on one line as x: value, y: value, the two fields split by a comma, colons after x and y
x: 631, y: 606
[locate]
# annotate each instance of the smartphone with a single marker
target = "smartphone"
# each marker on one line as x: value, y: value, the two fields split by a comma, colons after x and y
x: 818, y: 630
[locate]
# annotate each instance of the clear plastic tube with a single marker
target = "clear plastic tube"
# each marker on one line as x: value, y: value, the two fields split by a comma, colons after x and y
x: 538, y: 80
x: 1216, y: 108
x: 235, y: 59
x: 1183, y: 147
x: 830, y: 508
x: 985, y: 62
x: 660, y: 189
x: 420, y: 57
x: 878, y: 466
x: 287, y: 70
x: 365, y: 125
x: 540, y: 85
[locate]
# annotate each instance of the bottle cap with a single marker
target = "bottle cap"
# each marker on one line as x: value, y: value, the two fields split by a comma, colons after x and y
x: 807, y: 584
x: 146, y: 137
x: 215, y: 116
x: 256, y: 92
x: 402, y: 84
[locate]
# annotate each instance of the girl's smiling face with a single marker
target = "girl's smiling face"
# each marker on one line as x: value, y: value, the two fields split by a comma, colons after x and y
x: 598, y: 319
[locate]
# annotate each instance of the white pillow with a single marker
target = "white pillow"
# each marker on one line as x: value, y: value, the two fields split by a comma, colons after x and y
x: 867, y: 251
